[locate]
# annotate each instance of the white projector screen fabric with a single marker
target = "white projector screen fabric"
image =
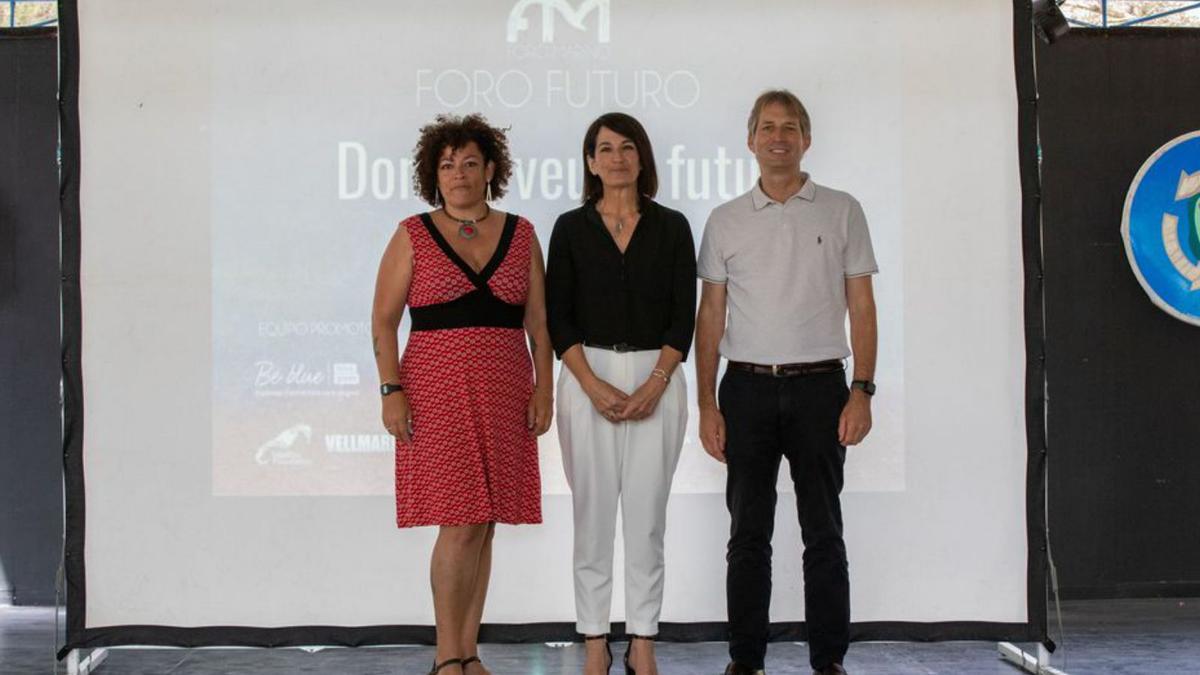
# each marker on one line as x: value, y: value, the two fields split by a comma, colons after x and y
x: 244, y: 163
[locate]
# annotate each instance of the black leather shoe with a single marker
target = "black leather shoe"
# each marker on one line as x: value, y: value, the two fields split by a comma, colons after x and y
x: 735, y: 668
x: 832, y: 669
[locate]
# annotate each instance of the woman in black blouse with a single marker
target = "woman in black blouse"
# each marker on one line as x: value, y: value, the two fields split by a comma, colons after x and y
x: 621, y: 301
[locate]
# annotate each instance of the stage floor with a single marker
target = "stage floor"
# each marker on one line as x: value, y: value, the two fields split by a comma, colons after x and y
x: 1102, y: 636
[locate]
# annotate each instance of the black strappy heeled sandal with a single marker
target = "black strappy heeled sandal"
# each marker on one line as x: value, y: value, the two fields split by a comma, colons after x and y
x: 607, y: 647
x: 628, y: 668
x: 469, y: 660
x: 448, y: 662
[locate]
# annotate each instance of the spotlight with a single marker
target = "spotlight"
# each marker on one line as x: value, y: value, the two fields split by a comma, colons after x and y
x: 1048, y: 21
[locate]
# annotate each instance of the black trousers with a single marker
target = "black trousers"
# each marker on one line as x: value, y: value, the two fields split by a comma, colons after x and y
x: 768, y: 418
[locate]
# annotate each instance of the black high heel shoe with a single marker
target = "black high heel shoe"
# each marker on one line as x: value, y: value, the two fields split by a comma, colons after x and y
x: 628, y: 668
x: 444, y: 664
x: 607, y: 647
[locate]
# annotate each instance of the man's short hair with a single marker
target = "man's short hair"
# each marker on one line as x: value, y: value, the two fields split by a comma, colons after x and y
x: 788, y: 100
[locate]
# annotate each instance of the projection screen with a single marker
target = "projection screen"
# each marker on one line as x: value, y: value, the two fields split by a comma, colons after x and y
x: 242, y: 165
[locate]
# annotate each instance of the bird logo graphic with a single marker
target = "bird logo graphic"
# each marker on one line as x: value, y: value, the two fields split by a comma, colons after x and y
x: 281, y: 450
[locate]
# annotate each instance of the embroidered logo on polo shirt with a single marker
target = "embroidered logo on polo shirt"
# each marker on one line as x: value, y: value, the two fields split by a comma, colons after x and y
x: 1161, y: 227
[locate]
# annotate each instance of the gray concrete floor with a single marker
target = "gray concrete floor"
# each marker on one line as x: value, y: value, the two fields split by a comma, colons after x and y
x: 1102, y: 636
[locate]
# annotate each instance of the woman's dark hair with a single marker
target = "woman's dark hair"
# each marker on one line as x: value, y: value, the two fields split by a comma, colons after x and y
x: 452, y: 131
x: 632, y: 129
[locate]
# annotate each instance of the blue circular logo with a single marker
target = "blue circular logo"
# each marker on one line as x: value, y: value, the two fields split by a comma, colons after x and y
x: 1161, y: 227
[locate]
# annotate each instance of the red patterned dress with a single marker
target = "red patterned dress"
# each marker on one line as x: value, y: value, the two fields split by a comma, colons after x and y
x: 469, y: 378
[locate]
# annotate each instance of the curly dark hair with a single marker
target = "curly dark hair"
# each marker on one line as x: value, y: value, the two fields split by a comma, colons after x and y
x: 456, y: 132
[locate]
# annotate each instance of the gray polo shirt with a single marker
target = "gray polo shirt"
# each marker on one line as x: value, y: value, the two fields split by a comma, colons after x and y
x: 784, y: 267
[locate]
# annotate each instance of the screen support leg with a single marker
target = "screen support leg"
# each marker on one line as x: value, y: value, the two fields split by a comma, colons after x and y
x: 1038, y: 665
x: 82, y: 665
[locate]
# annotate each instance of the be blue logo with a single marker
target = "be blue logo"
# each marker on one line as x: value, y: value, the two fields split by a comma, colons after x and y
x: 1161, y: 227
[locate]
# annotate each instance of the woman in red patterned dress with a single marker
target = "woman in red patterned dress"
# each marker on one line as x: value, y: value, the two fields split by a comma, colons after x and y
x: 464, y: 405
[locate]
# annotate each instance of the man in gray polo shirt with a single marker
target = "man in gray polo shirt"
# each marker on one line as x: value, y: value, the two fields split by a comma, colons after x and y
x: 782, y: 265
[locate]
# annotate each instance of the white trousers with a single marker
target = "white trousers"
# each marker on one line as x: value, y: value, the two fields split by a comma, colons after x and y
x: 628, y: 462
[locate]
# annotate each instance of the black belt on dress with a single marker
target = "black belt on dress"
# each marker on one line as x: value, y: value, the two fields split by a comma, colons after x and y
x: 477, y: 309
x: 789, y: 369
x: 620, y: 347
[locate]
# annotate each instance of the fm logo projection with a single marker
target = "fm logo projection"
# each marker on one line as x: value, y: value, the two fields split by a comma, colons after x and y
x: 574, y: 16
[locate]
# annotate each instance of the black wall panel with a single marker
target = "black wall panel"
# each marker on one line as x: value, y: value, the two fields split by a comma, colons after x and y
x: 1123, y: 375
x: 30, y: 418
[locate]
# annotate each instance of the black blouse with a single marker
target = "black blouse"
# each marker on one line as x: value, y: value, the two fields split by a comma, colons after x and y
x: 645, y: 298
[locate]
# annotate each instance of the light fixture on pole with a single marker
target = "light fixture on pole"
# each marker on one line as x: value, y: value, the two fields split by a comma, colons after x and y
x: 1048, y: 20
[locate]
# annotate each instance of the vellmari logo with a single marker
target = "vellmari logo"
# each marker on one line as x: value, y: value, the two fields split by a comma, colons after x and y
x: 574, y: 16
x: 1161, y: 227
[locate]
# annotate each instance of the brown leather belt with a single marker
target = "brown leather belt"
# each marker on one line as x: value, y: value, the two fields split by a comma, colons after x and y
x: 789, y: 369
